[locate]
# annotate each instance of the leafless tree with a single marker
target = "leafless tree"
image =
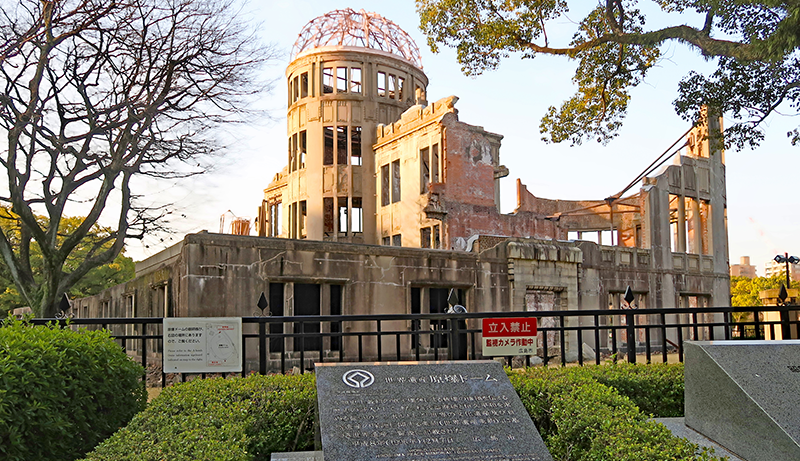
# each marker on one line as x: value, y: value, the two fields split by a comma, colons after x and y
x: 96, y: 93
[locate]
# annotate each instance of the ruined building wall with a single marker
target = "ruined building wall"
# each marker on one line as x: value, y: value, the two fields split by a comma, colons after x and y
x: 438, y: 183
x: 577, y: 217
x: 210, y: 275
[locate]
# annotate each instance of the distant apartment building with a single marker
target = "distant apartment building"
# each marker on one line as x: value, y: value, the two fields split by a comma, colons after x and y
x: 775, y: 268
x: 744, y: 268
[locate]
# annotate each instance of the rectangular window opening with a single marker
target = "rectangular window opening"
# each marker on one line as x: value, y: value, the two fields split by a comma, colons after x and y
x: 302, y: 219
x: 302, y: 148
x: 341, y: 79
x: 387, y: 241
x: 341, y: 145
x: 396, y: 181
x: 435, y: 163
x: 295, y: 162
x: 274, y: 219
x: 355, y: 145
x: 392, y: 86
x: 292, y: 220
x: 355, y: 80
x: 291, y: 155
x: 401, y: 85
x: 304, y: 85
x: 327, y: 79
x: 307, y: 302
x: 296, y: 89
x: 357, y: 216
x: 382, y: 84
x: 327, y: 142
x: 385, y: 181
x: 437, y: 242
x: 425, y: 237
x: 397, y: 240
x: 416, y: 324
x: 336, y: 309
x: 438, y: 304
x: 343, y: 224
x: 327, y: 220
x: 424, y: 176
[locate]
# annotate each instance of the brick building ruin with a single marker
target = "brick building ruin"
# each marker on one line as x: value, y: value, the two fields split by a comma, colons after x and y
x: 389, y: 201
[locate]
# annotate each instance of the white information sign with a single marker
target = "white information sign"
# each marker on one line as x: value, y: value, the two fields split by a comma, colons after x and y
x: 202, y: 344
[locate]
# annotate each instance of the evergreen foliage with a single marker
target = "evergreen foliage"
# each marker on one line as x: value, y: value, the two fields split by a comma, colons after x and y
x: 62, y: 391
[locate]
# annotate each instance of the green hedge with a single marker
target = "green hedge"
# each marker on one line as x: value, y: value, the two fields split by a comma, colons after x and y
x: 62, y: 391
x: 220, y: 419
x: 582, y: 419
x: 657, y: 389
x: 584, y: 414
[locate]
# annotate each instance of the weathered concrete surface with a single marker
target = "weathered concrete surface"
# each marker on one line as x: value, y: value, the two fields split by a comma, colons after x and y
x: 224, y: 275
x: 744, y: 395
x: 679, y: 428
x: 423, y: 411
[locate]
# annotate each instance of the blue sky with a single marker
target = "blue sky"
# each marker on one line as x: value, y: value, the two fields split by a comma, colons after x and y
x: 510, y: 101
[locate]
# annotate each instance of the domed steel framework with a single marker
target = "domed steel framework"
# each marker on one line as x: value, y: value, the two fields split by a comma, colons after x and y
x: 357, y: 28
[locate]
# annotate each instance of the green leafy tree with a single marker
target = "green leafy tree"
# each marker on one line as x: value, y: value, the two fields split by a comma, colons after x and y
x: 97, y: 279
x: 754, y: 44
x: 744, y: 290
x: 96, y: 94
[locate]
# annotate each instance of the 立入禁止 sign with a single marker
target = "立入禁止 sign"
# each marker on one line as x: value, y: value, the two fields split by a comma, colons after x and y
x: 509, y: 336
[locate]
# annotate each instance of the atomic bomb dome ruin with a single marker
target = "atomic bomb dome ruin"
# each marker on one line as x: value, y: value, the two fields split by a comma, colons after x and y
x: 388, y: 201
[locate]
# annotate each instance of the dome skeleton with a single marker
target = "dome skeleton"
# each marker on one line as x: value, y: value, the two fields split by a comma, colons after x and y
x: 360, y: 29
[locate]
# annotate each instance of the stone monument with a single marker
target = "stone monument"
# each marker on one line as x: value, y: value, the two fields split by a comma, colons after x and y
x: 745, y: 395
x: 415, y: 411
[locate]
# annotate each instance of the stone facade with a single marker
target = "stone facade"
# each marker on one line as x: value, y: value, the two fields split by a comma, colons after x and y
x: 337, y: 97
x: 224, y: 275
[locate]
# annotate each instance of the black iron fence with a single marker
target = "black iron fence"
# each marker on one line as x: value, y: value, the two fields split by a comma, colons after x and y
x: 284, y: 344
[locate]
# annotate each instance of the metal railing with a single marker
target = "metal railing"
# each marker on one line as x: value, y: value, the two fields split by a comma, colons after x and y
x: 281, y: 344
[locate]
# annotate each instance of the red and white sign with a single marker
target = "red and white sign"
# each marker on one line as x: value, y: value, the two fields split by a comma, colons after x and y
x: 511, y: 336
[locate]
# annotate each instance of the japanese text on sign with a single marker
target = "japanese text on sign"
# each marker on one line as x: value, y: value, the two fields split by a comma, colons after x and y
x: 509, y: 336
x: 199, y: 345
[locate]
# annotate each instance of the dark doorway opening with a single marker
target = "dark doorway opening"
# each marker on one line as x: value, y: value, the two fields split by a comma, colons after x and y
x: 336, y: 309
x: 306, y: 302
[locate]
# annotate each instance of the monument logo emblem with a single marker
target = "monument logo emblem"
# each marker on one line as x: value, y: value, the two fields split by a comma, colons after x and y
x: 358, y: 378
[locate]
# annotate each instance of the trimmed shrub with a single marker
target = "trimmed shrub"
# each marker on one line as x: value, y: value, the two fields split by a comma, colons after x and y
x: 221, y: 419
x: 583, y: 414
x: 62, y: 391
x: 582, y: 419
x: 657, y: 389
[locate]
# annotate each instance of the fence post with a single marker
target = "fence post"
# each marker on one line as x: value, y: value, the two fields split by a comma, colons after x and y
x: 786, y: 332
x: 458, y: 345
x: 262, y: 346
x: 631, y: 334
x: 451, y: 353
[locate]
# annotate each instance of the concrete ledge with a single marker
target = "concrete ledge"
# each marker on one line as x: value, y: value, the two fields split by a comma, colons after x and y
x: 679, y: 429
x: 298, y: 456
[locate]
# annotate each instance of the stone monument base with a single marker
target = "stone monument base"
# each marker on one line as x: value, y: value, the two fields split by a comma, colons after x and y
x: 298, y: 456
x: 679, y: 428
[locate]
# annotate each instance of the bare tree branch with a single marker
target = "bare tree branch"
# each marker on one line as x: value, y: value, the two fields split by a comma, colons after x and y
x: 98, y: 93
